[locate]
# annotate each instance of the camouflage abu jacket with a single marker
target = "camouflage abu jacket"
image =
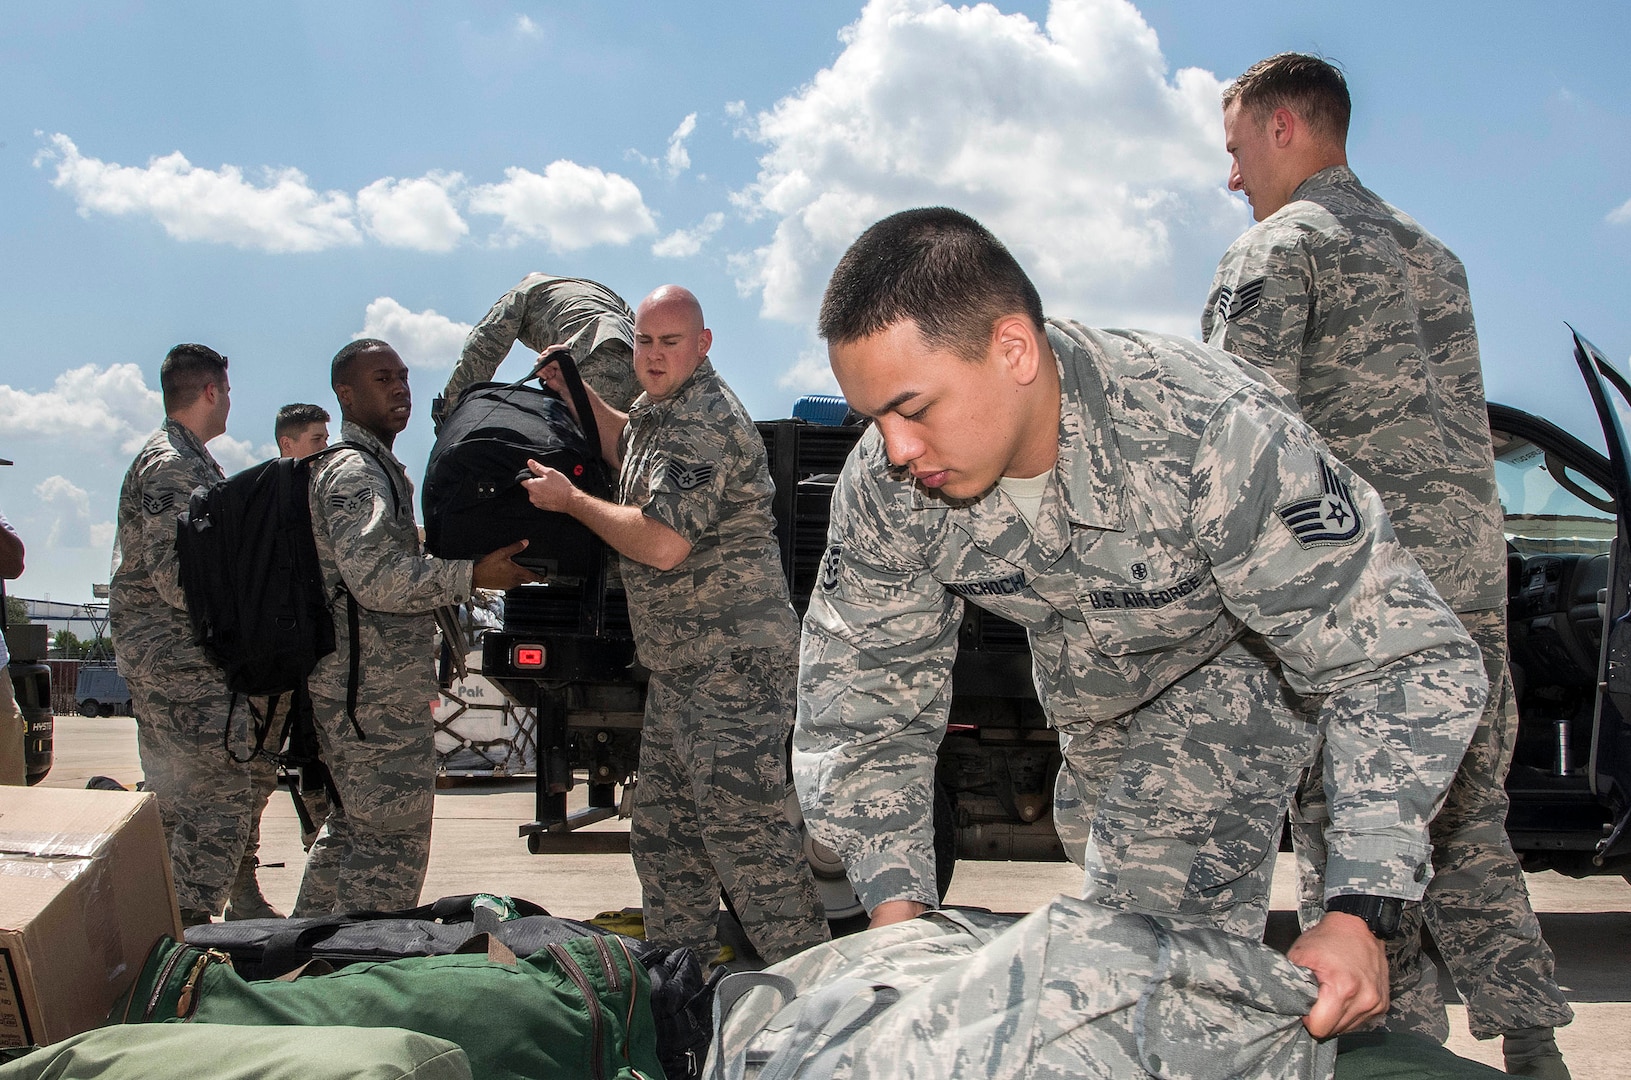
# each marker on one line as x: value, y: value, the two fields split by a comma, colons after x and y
x: 695, y: 462
x: 1365, y: 319
x: 368, y: 544
x: 587, y: 317
x: 1187, y: 505
x: 147, y: 613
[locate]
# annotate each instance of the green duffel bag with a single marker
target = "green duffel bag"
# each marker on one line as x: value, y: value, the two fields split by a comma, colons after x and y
x: 576, y: 1010
x: 224, y: 1052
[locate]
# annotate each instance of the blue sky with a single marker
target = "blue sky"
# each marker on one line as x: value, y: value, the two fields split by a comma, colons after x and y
x: 276, y: 179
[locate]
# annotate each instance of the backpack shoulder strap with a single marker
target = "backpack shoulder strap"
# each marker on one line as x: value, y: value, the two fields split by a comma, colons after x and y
x: 352, y: 619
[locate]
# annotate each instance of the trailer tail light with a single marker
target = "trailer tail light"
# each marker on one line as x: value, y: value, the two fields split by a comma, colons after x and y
x: 527, y: 656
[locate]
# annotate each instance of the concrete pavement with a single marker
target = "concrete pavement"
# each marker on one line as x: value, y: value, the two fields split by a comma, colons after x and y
x: 475, y: 848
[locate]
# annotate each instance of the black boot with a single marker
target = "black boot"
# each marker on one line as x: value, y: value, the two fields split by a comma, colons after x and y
x: 1533, y: 1052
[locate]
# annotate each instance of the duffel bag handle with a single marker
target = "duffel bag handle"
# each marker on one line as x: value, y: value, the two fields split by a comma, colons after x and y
x: 489, y: 944
x: 574, y: 389
x: 580, y: 399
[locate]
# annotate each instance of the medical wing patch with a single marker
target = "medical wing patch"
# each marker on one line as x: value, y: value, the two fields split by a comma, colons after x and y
x: 158, y: 504
x: 1328, y: 519
x: 829, y: 567
x: 1233, y: 303
x: 688, y: 478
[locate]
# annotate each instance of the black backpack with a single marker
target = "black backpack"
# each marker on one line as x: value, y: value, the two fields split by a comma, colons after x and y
x: 472, y: 496
x: 254, y: 587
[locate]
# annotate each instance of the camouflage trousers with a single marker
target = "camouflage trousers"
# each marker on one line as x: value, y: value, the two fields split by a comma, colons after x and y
x: 1176, y: 810
x: 206, y: 799
x: 1476, y: 905
x: 710, y: 808
x: 374, y: 848
x: 264, y: 776
x: 610, y: 370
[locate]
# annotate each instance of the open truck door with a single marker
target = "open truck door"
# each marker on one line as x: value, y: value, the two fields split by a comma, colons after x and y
x: 1609, y: 764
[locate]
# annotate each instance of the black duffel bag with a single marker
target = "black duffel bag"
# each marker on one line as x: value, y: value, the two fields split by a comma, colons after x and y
x: 472, y: 496
x: 268, y: 948
x: 681, y: 990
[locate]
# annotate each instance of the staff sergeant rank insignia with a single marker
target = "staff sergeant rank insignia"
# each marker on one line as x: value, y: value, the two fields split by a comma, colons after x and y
x: 1233, y: 303
x: 157, y: 504
x: 1329, y: 519
x: 686, y: 479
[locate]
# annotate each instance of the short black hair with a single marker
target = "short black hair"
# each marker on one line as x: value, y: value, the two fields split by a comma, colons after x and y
x: 1310, y: 86
x: 291, y: 418
x: 186, y: 370
x: 337, y: 372
x: 935, y: 266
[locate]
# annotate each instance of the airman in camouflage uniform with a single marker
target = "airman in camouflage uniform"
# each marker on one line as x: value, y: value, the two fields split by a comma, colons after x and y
x: 372, y: 852
x: 709, y: 609
x: 177, y: 695
x: 1183, y: 506
x: 593, y: 322
x: 1366, y: 320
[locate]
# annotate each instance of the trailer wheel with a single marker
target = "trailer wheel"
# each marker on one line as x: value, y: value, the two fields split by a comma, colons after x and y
x: 535, y: 844
x: 88, y: 707
x: 105, y: 709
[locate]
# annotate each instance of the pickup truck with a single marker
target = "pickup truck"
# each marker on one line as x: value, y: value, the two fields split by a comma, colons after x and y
x: 565, y: 650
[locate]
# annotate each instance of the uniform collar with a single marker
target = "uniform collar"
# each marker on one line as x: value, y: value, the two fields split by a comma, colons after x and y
x: 1087, y: 490
x: 177, y: 430
x: 351, y: 431
x: 1092, y: 474
x: 1331, y: 177
x: 644, y: 403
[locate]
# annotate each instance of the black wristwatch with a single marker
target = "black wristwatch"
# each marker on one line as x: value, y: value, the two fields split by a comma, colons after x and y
x: 1381, y: 913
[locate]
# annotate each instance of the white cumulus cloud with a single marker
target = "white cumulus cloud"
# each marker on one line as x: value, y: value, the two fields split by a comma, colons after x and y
x: 811, y: 374
x: 69, y: 506
x: 678, y: 157
x: 234, y: 454
x: 568, y: 207
x: 526, y: 27
x: 282, y: 214
x: 683, y: 243
x: 1102, y: 171
x: 1620, y: 215
x: 418, y: 214
x: 424, y: 339
x: 86, y: 403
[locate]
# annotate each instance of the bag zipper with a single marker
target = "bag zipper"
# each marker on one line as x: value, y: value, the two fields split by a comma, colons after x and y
x: 634, y: 998
x: 165, y: 971
x: 597, y: 1034
x: 614, y: 980
x: 188, y: 1002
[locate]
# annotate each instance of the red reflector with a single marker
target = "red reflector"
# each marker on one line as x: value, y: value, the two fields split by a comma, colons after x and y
x: 531, y: 656
x: 577, y: 470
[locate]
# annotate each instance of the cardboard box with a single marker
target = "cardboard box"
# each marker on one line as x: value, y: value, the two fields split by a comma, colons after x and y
x: 85, y: 893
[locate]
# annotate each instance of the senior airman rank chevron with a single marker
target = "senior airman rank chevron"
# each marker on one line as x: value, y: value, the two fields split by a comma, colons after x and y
x: 687, y: 478
x: 353, y: 501
x: 1233, y: 303
x: 1329, y: 519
